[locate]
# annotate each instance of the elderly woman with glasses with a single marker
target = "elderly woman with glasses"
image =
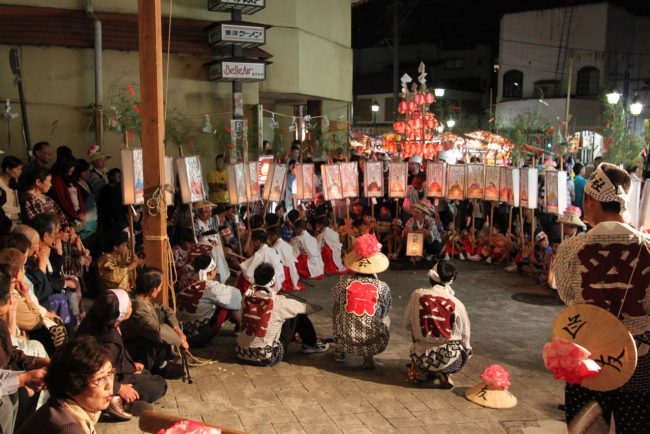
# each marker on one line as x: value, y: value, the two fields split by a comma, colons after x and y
x: 80, y: 382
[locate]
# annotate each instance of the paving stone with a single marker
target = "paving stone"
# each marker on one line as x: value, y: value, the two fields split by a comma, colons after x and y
x: 347, y: 420
x: 259, y: 429
x: 346, y: 406
x: 257, y: 415
x: 376, y: 422
x: 289, y: 428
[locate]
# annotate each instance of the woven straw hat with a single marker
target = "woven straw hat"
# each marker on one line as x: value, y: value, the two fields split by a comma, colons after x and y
x: 493, y: 391
x: 366, y: 256
x: 571, y: 216
x: 607, y: 339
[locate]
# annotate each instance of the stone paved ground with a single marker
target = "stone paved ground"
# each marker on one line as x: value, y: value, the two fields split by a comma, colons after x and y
x: 314, y: 394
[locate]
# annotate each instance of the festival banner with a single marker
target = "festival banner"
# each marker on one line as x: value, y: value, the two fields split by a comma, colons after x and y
x: 236, y: 183
x: 132, y: 176
x: 492, y: 183
x: 331, y: 174
x: 436, y: 177
x: 528, y: 188
x: 475, y: 181
x: 373, y: 179
x: 555, y: 192
x: 397, y: 177
x: 252, y: 184
x: 190, y: 178
x: 304, y: 181
x: 350, y: 179
x: 274, y: 187
x: 634, y: 204
x: 512, y: 182
x: 456, y: 181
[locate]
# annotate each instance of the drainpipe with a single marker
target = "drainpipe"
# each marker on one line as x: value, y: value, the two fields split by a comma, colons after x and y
x: 99, y: 94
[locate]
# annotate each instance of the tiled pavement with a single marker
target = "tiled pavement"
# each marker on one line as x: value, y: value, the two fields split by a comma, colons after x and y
x: 314, y: 394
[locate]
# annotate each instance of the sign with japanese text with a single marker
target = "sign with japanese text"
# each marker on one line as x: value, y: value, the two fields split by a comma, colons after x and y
x: 248, y: 35
x: 228, y: 70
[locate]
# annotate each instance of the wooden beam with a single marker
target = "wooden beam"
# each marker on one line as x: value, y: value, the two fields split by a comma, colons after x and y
x: 153, y: 131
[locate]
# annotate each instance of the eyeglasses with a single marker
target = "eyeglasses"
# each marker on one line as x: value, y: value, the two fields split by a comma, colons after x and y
x: 103, y: 381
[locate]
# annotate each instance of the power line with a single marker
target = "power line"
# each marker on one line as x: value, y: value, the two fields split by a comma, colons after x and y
x: 589, y: 50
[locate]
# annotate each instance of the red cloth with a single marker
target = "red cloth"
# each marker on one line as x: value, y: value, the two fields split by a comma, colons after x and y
x: 220, y: 317
x: 287, y: 285
x: 328, y: 260
x: 242, y: 284
x: 303, y: 268
x: 467, y: 244
x: 61, y: 195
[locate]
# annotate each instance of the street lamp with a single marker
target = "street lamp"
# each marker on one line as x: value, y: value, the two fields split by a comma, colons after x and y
x: 439, y: 92
x: 636, y: 106
x: 613, y: 96
x: 375, y: 109
x: 451, y: 123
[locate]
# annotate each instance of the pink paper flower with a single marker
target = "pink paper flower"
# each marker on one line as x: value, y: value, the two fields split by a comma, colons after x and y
x: 190, y: 427
x: 367, y: 246
x: 496, y: 376
x: 569, y: 361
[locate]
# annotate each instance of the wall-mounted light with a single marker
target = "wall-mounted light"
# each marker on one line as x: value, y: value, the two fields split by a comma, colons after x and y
x: 636, y: 106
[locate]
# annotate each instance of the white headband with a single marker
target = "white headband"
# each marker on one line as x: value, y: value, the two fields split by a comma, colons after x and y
x: 123, y: 302
x: 601, y: 188
x: 203, y: 274
x: 433, y: 274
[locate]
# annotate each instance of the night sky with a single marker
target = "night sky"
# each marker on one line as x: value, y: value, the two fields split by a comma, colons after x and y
x: 453, y: 23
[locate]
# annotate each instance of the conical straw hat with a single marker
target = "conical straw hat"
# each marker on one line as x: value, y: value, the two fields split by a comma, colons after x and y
x: 607, y: 339
x: 485, y: 396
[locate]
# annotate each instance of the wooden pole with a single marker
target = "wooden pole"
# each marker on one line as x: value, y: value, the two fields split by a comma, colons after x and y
x: 509, y: 231
x: 152, y: 119
x: 532, y: 229
x: 491, y: 224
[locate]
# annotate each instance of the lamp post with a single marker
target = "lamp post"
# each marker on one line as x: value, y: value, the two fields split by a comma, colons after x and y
x: 613, y: 96
x: 439, y: 92
x: 375, y: 109
x: 451, y: 123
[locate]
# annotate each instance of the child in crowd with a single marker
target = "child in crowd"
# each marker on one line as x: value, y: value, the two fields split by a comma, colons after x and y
x: 423, y: 223
x: 453, y: 245
x: 263, y: 254
x: 571, y: 223
x: 285, y: 251
x: 330, y: 244
x: 286, y: 229
x: 362, y: 303
x: 368, y: 225
x: 270, y: 322
x: 205, y: 303
x: 305, y: 247
x: 440, y: 329
x: 115, y: 266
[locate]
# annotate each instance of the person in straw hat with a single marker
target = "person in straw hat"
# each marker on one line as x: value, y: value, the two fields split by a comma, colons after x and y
x: 423, y: 222
x: 440, y: 329
x: 608, y: 267
x: 204, y: 220
x: 571, y: 223
x: 362, y: 303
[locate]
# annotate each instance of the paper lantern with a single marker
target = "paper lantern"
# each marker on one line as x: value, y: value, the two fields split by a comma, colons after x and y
x: 263, y: 165
x: 512, y: 181
x: 417, y: 114
x: 492, y: 175
x: 634, y: 203
x: 419, y: 98
x: 429, y: 98
x: 331, y: 175
x: 475, y: 179
x: 555, y: 192
x: 644, y: 208
x: 397, y: 177
x: 436, y: 179
x: 132, y: 176
x: 373, y: 176
x: 403, y: 106
x: 236, y: 183
x: 456, y: 181
x: 414, y: 244
x: 252, y: 182
x: 528, y: 188
x: 412, y: 106
x: 304, y: 181
x: 190, y: 179
x: 275, y: 182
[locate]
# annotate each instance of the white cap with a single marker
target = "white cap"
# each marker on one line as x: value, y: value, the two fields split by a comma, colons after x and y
x: 416, y: 159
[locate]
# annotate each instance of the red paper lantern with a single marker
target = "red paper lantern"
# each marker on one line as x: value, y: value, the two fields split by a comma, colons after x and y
x: 399, y: 126
x: 411, y: 135
x: 402, y: 107
x: 429, y: 98
x: 412, y: 106
x: 428, y: 135
x: 417, y: 114
x: 419, y: 98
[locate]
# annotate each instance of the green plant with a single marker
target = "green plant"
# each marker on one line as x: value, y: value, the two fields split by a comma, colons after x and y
x: 622, y: 144
x: 124, y: 107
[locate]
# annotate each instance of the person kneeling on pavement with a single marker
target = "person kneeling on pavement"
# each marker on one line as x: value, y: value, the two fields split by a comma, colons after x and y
x: 133, y: 385
x: 439, y: 326
x: 153, y: 329
x: 270, y: 322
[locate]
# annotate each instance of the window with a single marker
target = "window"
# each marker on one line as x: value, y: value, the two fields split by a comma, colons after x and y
x: 454, y: 64
x: 362, y: 110
x: 547, y: 89
x: 513, y: 83
x: 588, y: 78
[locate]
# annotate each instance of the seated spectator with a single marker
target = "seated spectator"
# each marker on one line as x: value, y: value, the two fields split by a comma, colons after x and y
x: 81, y: 177
x: 270, y: 322
x: 80, y: 382
x: 12, y: 167
x: 36, y: 200
x: 45, y: 272
x: 305, y: 247
x: 12, y: 360
x: 440, y: 329
x: 285, y: 251
x: 153, y: 329
x: 65, y: 192
x: 330, y: 244
x: 114, y: 266
x: 424, y: 223
x: 132, y: 382
x: 263, y: 254
x: 571, y: 223
x: 204, y: 303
